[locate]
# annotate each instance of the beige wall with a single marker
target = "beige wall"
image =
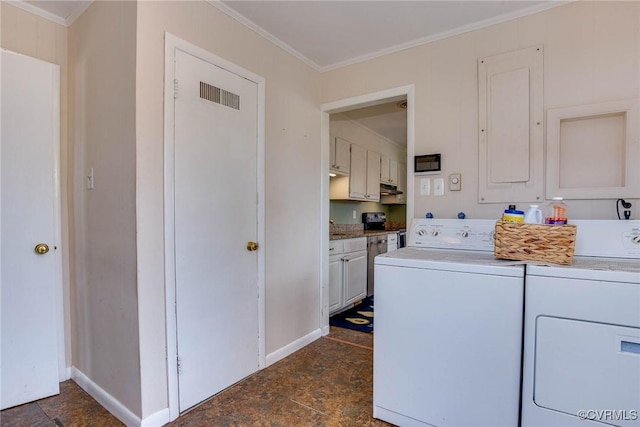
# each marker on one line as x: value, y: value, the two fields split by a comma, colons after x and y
x: 292, y: 177
x: 25, y: 33
x: 102, y: 61
x: 592, y: 54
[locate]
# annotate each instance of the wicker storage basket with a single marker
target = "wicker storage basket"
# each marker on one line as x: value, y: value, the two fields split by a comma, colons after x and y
x: 535, y: 242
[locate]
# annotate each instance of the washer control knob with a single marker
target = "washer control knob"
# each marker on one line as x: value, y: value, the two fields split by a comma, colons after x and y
x: 421, y: 232
x: 465, y: 234
x: 636, y: 240
x: 435, y: 233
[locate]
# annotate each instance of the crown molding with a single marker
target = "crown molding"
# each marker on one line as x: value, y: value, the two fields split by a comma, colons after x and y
x: 262, y: 32
x: 27, y: 7
x: 404, y: 46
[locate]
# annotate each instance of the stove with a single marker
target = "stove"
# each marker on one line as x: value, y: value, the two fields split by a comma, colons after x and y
x: 374, y: 220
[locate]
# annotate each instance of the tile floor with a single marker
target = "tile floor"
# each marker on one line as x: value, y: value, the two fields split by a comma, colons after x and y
x: 327, y: 383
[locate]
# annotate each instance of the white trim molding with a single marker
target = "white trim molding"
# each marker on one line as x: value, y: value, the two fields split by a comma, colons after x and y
x: 293, y: 347
x: 336, y: 107
x: 79, y: 7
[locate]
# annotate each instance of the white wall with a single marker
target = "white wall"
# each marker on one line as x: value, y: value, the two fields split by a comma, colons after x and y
x: 292, y: 177
x: 31, y: 35
x: 102, y: 116
x: 592, y: 54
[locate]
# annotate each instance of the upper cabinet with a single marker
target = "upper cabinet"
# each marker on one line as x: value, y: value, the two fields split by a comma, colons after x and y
x: 388, y: 171
x: 510, y: 132
x: 398, y: 199
x: 373, y: 176
x: 339, y: 155
x: 363, y: 182
x: 358, y: 175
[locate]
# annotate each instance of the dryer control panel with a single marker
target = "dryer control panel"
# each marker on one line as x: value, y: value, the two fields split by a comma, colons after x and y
x: 608, y: 238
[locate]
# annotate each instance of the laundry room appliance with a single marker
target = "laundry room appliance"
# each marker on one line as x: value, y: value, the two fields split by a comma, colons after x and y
x: 582, y: 332
x: 448, y: 339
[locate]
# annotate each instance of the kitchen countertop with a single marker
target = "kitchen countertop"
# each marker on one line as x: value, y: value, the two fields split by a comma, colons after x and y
x: 355, y: 234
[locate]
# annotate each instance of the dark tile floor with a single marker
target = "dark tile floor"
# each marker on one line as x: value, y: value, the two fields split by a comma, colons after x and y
x: 327, y: 383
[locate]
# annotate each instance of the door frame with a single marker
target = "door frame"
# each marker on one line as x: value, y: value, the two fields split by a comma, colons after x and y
x: 339, y: 106
x: 173, y: 43
x: 61, y: 292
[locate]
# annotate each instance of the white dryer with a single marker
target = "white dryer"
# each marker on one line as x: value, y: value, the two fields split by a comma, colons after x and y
x: 582, y: 332
x: 448, y: 331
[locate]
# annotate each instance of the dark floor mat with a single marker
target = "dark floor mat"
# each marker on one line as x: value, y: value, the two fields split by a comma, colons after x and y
x: 358, y: 318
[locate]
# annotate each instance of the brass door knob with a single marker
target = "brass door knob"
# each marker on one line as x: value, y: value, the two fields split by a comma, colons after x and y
x: 252, y: 246
x: 41, y: 248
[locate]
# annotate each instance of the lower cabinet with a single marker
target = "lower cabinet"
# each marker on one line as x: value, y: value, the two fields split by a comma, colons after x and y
x: 335, y: 281
x: 347, y: 272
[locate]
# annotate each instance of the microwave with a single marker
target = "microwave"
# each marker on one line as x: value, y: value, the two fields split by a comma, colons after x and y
x: 427, y: 164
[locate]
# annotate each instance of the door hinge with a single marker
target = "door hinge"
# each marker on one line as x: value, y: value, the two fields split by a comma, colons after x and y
x: 179, y: 365
x: 175, y: 88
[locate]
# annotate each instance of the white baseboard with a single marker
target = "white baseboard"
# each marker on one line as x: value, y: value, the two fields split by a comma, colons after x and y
x: 326, y: 330
x: 293, y: 347
x: 158, y: 419
x: 109, y: 402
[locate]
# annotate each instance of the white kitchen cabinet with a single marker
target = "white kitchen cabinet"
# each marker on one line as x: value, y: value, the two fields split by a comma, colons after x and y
x: 363, y: 182
x: 347, y: 272
x: 388, y: 171
x: 355, y: 277
x: 335, y: 275
x: 392, y: 242
x: 373, y: 177
x: 398, y: 199
x: 393, y: 172
x: 358, y: 173
x: 340, y: 155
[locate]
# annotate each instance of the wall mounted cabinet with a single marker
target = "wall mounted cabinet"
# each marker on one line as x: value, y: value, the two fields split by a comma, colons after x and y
x: 340, y: 155
x: 388, y: 171
x: 398, y: 199
x: 363, y: 182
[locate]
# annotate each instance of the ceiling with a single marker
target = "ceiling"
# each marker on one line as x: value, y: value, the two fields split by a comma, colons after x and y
x: 388, y: 120
x: 328, y: 34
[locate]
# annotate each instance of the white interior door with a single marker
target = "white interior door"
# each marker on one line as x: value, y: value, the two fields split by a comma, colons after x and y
x: 30, y: 138
x: 215, y: 199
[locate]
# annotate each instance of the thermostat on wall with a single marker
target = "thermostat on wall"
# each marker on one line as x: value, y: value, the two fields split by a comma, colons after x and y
x: 427, y: 164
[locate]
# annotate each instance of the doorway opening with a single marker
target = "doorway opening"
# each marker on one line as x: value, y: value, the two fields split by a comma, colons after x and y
x: 359, y: 111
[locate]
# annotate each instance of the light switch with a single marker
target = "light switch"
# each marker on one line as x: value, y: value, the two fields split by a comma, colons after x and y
x: 438, y: 187
x: 455, y: 182
x: 425, y: 186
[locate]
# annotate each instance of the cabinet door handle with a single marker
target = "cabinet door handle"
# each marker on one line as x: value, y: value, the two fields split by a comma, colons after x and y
x: 345, y: 260
x: 330, y: 249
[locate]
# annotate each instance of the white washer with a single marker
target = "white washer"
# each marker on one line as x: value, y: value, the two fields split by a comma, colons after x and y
x: 582, y: 332
x: 448, y: 329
